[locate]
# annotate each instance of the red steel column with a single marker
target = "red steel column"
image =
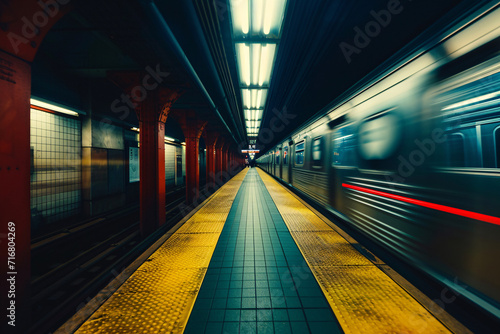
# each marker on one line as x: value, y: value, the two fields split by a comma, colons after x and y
x: 192, y: 128
x: 152, y: 171
x: 15, y: 216
x: 225, y: 158
x: 18, y: 47
x: 152, y: 113
x: 211, y: 138
x: 218, y: 159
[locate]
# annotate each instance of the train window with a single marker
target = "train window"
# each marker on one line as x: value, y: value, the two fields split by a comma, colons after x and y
x: 344, y: 147
x: 456, y: 150
x: 470, y: 117
x: 278, y: 157
x: 317, y: 148
x: 285, y: 154
x: 299, y: 153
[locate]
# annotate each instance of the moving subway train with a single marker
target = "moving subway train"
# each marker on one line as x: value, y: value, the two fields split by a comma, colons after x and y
x: 412, y: 159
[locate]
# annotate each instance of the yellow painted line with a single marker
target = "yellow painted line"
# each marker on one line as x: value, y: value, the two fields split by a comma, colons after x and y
x: 363, y: 298
x: 160, y: 294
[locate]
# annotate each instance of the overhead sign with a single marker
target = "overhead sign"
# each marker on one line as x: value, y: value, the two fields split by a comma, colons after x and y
x: 250, y: 151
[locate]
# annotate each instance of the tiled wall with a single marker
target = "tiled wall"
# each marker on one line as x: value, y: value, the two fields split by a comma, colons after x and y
x: 56, y: 166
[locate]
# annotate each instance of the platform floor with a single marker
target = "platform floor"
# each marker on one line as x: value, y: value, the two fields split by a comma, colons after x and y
x: 256, y: 259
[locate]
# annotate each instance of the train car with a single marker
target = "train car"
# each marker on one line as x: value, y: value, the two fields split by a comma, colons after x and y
x: 411, y: 159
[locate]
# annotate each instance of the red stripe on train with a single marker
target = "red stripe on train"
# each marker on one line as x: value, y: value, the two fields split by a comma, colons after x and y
x: 444, y: 208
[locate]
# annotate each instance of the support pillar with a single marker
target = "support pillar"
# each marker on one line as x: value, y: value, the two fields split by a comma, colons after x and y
x: 211, y: 138
x: 152, y: 171
x: 219, y: 161
x: 152, y: 108
x: 225, y: 151
x: 192, y: 128
x: 15, y: 216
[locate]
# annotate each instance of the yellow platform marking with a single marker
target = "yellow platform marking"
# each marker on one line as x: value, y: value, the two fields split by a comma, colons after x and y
x: 160, y: 295
x: 363, y: 298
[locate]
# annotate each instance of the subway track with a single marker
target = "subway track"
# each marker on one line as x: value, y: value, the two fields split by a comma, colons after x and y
x: 71, y: 265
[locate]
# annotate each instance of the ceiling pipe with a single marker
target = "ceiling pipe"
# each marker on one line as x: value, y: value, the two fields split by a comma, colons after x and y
x: 157, y: 19
x: 191, y: 11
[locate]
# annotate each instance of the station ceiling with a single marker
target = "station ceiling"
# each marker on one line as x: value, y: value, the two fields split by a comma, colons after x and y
x: 325, y: 47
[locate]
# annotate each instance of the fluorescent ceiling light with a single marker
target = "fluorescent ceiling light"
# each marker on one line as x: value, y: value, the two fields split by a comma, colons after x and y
x: 246, y: 98
x: 52, y: 107
x: 258, y: 114
x: 135, y: 129
x: 266, y: 63
x: 169, y: 138
x: 259, y: 98
x: 256, y: 53
x: 273, y: 16
x: 260, y: 103
x: 254, y: 98
x: 258, y: 15
x: 240, y: 15
x: 243, y: 54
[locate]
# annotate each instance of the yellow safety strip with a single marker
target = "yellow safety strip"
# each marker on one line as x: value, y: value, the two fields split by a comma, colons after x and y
x: 160, y: 295
x: 363, y: 298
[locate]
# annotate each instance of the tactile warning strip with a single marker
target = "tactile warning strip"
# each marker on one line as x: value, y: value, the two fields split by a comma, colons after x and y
x: 160, y: 295
x: 363, y: 298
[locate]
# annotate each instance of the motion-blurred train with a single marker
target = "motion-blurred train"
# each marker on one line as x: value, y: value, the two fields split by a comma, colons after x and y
x: 412, y: 158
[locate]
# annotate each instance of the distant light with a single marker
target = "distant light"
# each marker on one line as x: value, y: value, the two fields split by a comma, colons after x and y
x: 169, y: 138
x: 472, y: 101
x: 135, y: 129
x: 243, y: 54
x: 52, y: 107
x: 183, y: 143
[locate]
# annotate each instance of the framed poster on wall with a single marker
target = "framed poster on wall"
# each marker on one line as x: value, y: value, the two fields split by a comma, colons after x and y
x: 133, y: 163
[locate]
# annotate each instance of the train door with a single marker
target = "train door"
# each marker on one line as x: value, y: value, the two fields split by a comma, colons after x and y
x: 285, y: 168
x: 278, y: 162
x: 343, y: 159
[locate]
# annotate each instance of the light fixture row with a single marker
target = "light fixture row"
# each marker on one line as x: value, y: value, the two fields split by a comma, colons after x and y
x: 257, y: 17
x: 256, y: 31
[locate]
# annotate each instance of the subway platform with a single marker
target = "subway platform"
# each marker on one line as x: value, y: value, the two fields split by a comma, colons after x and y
x: 254, y: 258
